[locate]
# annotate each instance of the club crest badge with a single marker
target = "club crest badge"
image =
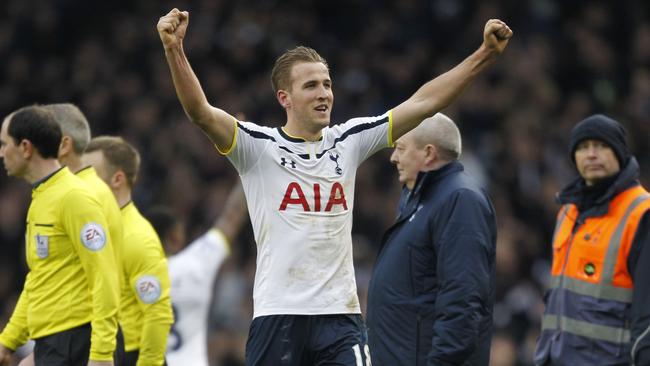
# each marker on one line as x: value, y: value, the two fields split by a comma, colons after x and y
x: 42, y: 246
x: 335, y: 159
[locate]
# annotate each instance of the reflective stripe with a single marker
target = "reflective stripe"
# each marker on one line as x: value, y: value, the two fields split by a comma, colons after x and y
x: 603, y: 290
x: 599, y: 291
x: 560, y: 221
x: 587, y: 330
x: 615, y: 242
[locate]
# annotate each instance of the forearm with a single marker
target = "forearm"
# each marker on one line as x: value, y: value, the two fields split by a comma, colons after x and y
x: 104, y: 323
x: 188, y: 88
x: 440, y: 92
x: 153, y: 342
x: 16, y: 332
x: 104, y: 286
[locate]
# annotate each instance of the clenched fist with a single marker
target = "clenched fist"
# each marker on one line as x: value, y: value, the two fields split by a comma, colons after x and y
x: 496, y: 35
x: 172, y: 27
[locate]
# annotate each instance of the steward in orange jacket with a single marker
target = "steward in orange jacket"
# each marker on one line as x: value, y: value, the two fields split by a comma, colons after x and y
x: 598, y: 305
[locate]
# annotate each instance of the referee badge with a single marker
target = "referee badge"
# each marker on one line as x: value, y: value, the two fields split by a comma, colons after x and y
x: 93, y: 236
x: 148, y: 289
x: 42, y: 246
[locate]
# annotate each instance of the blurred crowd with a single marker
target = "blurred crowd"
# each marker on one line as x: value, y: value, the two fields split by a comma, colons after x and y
x: 566, y: 61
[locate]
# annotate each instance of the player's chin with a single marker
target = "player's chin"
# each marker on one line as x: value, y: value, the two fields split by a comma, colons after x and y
x: 323, y: 121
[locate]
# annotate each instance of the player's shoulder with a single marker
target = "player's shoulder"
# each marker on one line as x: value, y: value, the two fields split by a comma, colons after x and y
x: 357, y: 125
x: 257, y: 131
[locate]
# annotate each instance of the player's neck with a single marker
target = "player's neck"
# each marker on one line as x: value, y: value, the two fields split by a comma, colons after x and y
x: 296, y: 131
x: 41, y: 168
x: 73, y: 163
x: 122, y: 195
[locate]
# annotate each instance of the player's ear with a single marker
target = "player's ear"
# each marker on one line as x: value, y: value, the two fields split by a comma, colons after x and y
x: 65, y: 146
x: 26, y: 148
x: 284, y: 98
x: 430, y: 153
x: 118, y: 179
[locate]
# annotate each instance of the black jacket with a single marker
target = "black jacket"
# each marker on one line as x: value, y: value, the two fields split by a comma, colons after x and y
x: 432, y: 291
x: 593, y: 202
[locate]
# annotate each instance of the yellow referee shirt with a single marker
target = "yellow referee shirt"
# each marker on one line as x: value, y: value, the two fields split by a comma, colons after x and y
x: 112, y: 213
x: 72, y: 278
x: 146, y: 317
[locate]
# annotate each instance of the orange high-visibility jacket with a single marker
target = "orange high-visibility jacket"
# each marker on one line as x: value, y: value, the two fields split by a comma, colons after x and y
x: 587, y: 316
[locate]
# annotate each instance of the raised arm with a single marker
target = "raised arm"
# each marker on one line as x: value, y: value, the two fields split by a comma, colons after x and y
x: 234, y: 214
x: 216, y: 123
x: 438, y: 93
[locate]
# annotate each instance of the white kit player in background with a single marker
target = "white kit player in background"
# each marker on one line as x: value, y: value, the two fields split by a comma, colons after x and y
x: 192, y: 271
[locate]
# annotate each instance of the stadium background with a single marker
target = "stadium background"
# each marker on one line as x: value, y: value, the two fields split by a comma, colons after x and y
x: 566, y: 61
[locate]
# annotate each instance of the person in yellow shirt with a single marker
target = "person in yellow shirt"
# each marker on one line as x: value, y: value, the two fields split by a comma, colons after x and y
x: 145, y: 318
x: 70, y: 299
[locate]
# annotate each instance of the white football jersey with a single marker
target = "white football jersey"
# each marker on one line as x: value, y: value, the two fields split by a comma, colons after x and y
x: 300, y: 196
x: 192, y: 273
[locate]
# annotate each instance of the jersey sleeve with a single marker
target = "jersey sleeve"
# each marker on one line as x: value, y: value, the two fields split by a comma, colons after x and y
x: 370, y: 134
x: 84, y: 222
x: 249, y: 143
x: 16, y: 332
x: 208, y: 251
x: 148, y: 276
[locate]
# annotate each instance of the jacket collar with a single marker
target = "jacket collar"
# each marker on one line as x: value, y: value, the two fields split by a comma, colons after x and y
x: 410, y: 198
x: 575, y: 191
x: 42, y: 183
x: 425, y: 179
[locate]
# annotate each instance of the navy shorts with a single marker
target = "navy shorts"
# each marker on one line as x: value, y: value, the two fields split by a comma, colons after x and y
x: 305, y: 340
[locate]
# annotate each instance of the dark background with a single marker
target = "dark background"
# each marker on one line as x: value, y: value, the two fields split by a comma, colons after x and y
x: 566, y: 61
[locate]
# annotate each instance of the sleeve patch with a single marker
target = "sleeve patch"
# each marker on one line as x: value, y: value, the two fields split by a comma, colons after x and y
x: 148, y: 289
x: 93, y: 236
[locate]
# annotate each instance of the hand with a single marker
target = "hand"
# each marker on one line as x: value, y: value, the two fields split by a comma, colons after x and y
x: 5, y: 355
x: 172, y: 27
x: 100, y: 363
x: 496, y: 35
x: 28, y: 361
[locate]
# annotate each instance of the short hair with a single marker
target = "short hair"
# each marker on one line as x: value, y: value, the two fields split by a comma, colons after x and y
x: 441, y: 132
x: 73, y: 123
x: 37, y: 125
x: 119, y: 154
x: 281, y: 73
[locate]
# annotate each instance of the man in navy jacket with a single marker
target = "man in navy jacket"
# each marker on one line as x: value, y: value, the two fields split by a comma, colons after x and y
x: 432, y: 290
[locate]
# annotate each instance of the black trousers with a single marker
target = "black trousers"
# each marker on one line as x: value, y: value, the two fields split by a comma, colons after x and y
x: 68, y: 348
x: 123, y: 358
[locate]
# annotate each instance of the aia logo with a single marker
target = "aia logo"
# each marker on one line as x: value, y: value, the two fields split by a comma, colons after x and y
x: 295, y: 195
x: 335, y: 159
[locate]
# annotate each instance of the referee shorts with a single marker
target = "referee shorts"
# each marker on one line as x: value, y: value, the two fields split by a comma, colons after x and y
x: 298, y: 340
x: 68, y: 348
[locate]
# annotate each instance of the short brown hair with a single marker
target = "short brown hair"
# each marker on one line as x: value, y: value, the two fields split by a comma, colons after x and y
x: 281, y: 73
x: 119, y: 154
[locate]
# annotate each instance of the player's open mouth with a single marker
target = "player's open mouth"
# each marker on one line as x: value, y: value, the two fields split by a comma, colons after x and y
x: 322, y: 108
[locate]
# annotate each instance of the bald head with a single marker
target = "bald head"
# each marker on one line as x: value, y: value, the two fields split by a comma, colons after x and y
x: 441, y: 132
x: 73, y: 124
